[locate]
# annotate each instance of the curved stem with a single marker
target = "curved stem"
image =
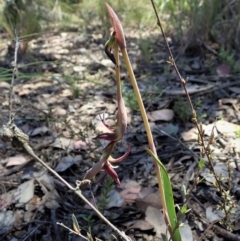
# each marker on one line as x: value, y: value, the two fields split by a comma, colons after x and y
x: 139, y: 99
x: 146, y: 123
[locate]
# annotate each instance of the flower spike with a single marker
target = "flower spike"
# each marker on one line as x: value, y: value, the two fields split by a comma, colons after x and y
x: 115, y: 133
x: 105, y: 164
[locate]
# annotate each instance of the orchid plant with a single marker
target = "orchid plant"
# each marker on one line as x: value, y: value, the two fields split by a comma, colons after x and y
x: 114, y: 134
x: 164, y: 183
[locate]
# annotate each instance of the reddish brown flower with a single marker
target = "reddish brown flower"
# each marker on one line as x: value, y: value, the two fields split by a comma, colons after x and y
x: 117, y: 27
x: 111, y: 172
x: 116, y: 132
x: 99, y: 165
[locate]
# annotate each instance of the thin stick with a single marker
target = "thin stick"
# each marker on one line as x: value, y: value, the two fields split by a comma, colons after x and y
x: 14, y: 76
x: 72, y: 231
x: 194, y: 119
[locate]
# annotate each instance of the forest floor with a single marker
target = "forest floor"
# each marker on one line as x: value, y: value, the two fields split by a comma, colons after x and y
x: 64, y: 82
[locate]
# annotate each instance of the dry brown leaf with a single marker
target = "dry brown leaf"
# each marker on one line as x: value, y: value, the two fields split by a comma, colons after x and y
x: 6, y: 220
x: 130, y: 194
x: 42, y: 105
x: 28, y: 216
x: 186, y: 232
x: 38, y: 131
x: 227, y: 128
x: 147, y: 165
x: 142, y: 225
x: 195, y: 65
x: 52, y: 99
x: 50, y: 199
x: 128, y: 223
x: 152, y: 200
x: 219, y: 169
x: 33, y: 204
x: 18, y: 218
x: 155, y: 217
x: 213, y: 214
x: 7, y: 198
x: 130, y: 190
x: 90, y: 108
x: 145, y: 191
x: 65, y: 93
x: 26, y: 192
x: 66, y: 162
x: 4, y: 85
x: 63, y: 143
x: 114, y: 199
x: 190, y: 135
x: 163, y: 115
x: 223, y: 69
x: 27, y: 89
x: 46, y: 181
x: 209, y: 128
x: 17, y: 160
x: 19, y: 234
x: 234, y: 144
x: 80, y: 145
x: 235, y: 89
x: 166, y: 128
x: 59, y: 111
x: 129, y: 183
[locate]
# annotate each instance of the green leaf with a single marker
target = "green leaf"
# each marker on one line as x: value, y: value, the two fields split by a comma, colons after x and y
x: 201, y: 163
x: 184, y: 209
x: 167, y: 189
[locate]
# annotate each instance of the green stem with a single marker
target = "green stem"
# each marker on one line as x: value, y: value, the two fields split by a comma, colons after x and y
x: 117, y: 67
x: 146, y: 123
x: 140, y: 102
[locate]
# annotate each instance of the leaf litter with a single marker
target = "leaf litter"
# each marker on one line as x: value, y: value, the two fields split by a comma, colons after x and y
x: 62, y: 128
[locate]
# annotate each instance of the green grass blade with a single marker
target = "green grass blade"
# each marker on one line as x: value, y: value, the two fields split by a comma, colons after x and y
x: 168, y: 197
